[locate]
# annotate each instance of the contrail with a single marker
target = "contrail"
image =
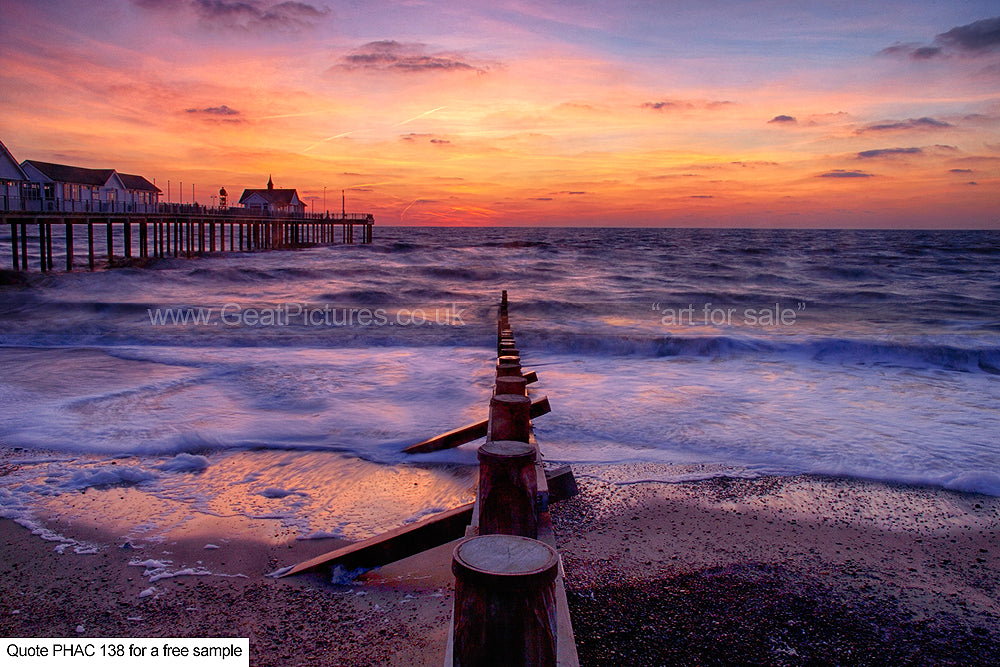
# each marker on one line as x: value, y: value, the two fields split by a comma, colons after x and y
x: 344, y: 134
x: 407, y: 209
x: 336, y: 136
x: 426, y: 113
x: 294, y: 115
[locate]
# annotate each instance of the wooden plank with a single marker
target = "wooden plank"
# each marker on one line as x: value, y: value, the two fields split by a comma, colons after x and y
x: 395, y: 544
x: 453, y: 438
x: 561, y: 482
x: 464, y: 434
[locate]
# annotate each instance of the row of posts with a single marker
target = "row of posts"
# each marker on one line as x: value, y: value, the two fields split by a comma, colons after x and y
x: 505, y: 608
x: 176, y: 236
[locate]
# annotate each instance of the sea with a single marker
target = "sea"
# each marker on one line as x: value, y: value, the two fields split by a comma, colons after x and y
x: 284, y: 385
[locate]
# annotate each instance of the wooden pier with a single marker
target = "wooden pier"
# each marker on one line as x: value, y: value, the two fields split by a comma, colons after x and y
x: 90, y: 239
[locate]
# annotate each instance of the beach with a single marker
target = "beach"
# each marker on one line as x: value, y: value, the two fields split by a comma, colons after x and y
x: 771, y: 570
x: 779, y: 570
x: 730, y: 510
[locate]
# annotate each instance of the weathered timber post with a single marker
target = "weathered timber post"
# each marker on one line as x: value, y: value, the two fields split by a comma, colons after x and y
x: 41, y: 246
x: 505, y: 610
x: 111, y: 242
x: 13, y: 246
x: 510, y: 417
x: 90, y: 243
x: 127, y: 236
x: 508, y: 486
x: 508, y: 366
x: 69, y: 245
x: 512, y: 384
x: 24, y: 245
x: 48, y: 244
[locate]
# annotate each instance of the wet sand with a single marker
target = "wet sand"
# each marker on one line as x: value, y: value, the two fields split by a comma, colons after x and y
x: 396, y: 616
x: 792, y: 571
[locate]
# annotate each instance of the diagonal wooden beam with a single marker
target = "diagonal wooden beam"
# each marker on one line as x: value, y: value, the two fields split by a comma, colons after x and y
x: 464, y: 434
x: 396, y: 544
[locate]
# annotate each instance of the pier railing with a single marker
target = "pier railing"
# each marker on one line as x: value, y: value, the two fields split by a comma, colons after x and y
x: 36, y: 239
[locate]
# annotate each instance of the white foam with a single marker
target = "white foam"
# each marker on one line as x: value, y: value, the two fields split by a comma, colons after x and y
x: 185, y: 462
x: 107, y: 476
x: 276, y: 492
x: 322, y: 535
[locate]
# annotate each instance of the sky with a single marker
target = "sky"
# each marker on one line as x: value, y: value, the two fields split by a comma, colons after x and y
x: 774, y: 113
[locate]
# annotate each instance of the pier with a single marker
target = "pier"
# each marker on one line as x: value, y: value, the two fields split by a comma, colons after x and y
x: 93, y: 239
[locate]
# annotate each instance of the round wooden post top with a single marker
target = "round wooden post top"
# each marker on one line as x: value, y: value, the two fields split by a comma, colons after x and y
x: 508, y: 359
x: 505, y: 562
x: 506, y: 449
x: 510, y: 401
x: 512, y: 384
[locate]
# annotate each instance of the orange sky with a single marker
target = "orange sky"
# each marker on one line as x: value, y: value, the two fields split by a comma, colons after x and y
x: 507, y: 112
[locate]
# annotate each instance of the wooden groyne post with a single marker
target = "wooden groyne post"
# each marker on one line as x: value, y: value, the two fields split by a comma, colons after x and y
x: 170, y: 234
x: 505, y: 602
x: 510, y: 601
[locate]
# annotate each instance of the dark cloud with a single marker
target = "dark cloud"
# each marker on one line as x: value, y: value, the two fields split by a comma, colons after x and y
x: 215, y: 111
x: 782, y: 119
x: 702, y: 197
x: 973, y: 39
x: 685, y: 105
x: 393, y: 56
x: 542, y: 198
x: 972, y: 183
x: 925, y: 52
x: 889, y: 152
x: 254, y: 15
x: 417, y: 136
x: 960, y: 171
x: 259, y: 14
x: 924, y: 123
x: 843, y: 173
x: 914, y: 51
x: 219, y: 114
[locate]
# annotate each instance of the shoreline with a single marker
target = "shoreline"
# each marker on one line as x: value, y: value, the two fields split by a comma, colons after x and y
x: 773, y: 570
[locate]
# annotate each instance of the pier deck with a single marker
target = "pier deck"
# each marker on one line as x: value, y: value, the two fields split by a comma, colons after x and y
x: 36, y: 239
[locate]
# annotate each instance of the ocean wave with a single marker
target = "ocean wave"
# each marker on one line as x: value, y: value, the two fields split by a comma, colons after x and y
x: 830, y: 350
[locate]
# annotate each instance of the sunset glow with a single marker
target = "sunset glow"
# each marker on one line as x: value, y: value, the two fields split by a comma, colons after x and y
x: 516, y: 113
